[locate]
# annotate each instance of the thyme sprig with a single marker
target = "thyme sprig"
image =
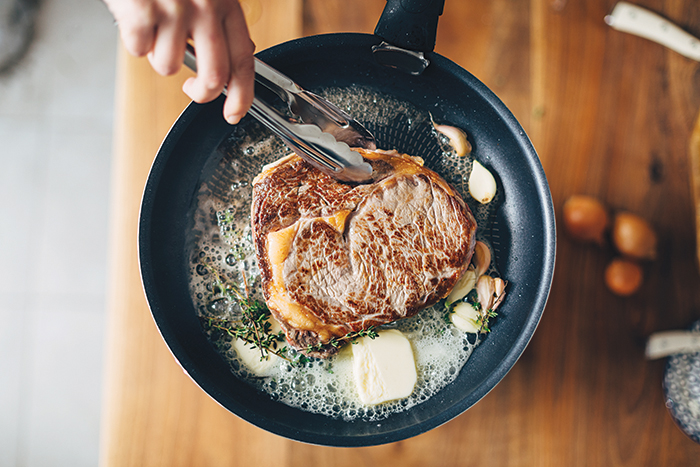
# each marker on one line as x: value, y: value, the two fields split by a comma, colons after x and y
x: 254, y: 326
x: 336, y: 342
x: 482, y: 320
x: 482, y: 317
x: 255, y: 330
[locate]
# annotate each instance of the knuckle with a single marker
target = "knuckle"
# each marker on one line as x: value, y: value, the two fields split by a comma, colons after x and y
x: 167, y: 68
x: 136, y: 43
x: 163, y: 64
x: 243, y: 62
x: 214, y: 81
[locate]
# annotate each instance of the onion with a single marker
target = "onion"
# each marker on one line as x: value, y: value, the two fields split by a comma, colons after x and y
x: 586, y: 219
x: 623, y: 277
x: 634, y: 236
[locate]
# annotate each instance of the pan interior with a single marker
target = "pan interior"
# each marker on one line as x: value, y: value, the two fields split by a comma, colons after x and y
x: 222, y: 251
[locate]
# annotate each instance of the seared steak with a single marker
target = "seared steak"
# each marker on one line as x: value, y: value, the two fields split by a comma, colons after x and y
x: 337, y: 257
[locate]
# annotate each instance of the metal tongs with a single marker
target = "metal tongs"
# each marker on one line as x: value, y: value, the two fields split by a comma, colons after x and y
x: 319, y: 131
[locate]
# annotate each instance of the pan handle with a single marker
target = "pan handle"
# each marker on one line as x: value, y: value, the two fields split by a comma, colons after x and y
x: 410, y: 24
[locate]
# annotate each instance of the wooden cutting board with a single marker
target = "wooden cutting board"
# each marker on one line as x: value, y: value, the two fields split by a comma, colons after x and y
x: 610, y: 115
x: 694, y: 152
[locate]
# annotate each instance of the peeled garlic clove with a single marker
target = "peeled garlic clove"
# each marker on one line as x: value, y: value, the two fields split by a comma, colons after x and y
x: 464, y: 325
x: 458, y: 139
x: 465, y: 317
x: 482, y: 185
x: 463, y: 286
x: 482, y: 258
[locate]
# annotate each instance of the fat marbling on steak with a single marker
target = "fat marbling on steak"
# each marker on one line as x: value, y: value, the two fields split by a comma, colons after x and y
x: 336, y: 257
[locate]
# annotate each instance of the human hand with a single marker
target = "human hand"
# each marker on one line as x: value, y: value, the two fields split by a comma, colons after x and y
x: 160, y: 29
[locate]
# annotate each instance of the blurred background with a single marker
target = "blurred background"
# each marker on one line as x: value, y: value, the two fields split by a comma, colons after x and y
x: 56, y: 113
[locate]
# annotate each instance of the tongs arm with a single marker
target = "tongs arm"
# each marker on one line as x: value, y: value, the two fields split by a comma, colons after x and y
x: 312, y: 109
x: 319, y: 137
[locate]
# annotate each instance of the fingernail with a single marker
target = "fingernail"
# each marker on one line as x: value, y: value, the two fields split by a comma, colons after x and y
x: 232, y: 119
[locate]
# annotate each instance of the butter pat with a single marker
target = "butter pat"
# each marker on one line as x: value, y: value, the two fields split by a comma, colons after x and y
x: 249, y: 355
x: 384, y: 368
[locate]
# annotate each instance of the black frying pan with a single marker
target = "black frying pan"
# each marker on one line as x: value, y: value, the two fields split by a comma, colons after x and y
x: 523, y: 225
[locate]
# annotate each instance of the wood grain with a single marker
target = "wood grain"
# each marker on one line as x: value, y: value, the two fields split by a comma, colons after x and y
x: 694, y: 151
x: 611, y: 115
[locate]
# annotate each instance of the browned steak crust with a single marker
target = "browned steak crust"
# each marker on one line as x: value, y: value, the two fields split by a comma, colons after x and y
x: 337, y: 257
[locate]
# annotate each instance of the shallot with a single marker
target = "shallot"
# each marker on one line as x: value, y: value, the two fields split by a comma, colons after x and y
x: 586, y: 219
x: 623, y: 277
x: 633, y: 236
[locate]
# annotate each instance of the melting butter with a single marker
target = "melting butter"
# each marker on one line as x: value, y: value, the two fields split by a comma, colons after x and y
x: 383, y: 368
x: 250, y: 355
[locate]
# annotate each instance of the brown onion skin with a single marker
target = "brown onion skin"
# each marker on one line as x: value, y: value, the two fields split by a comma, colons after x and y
x: 623, y: 277
x: 633, y: 236
x: 586, y: 219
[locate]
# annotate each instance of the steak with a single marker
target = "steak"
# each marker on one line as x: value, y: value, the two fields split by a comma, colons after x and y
x: 337, y: 258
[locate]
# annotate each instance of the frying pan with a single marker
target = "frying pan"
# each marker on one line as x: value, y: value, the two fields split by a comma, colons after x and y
x: 522, y: 227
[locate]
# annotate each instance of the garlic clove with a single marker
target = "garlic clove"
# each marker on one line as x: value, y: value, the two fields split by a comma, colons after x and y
x: 482, y: 185
x: 482, y: 258
x: 465, y: 317
x: 485, y: 290
x: 463, y: 286
x: 464, y: 325
x: 499, y: 291
x: 457, y: 137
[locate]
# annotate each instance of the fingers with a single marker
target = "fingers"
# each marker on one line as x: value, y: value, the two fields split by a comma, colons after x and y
x: 160, y: 29
x: 224, y: 58
x: 242, y: 76
x: 213, y: 65
x: 137, y: 24
x: 169, y: 46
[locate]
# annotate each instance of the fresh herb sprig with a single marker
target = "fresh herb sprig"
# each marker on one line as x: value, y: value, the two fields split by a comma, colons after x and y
x: 336, y: 342
x: 255, y: 329
x: 482, y: 318
x: 254, y: 326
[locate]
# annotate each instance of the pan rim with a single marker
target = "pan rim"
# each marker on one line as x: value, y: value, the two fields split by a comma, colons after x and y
x: 190, y: 115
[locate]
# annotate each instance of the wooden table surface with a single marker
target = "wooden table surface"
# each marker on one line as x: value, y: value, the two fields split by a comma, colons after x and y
x: 610, y: 115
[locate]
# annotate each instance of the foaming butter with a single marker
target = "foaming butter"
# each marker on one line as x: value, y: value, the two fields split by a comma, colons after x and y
x: 383, y: 367
x: 412, y: 360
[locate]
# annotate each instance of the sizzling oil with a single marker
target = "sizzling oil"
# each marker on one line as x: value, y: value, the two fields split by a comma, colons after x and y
x: 222, y: 240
